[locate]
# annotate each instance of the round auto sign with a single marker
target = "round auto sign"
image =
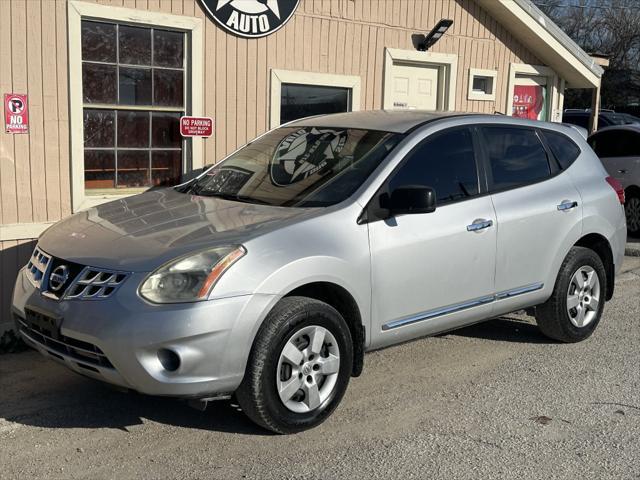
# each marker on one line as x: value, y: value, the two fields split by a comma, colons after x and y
x: 250, y: 18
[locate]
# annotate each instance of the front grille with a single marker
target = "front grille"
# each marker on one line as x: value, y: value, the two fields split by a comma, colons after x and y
x: 37, y: 267
x: 95, y: 283
x: 83, y: 282
x: 76, y: 349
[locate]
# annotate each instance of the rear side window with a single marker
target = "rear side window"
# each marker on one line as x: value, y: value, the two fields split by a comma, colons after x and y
x: 580, y: 120
x: 615, y: 143
x: 444, y: 162
x: 562, y: 148
x: 516, y: 157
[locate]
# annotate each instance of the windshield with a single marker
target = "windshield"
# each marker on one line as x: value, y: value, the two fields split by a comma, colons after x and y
x: 297, y: 166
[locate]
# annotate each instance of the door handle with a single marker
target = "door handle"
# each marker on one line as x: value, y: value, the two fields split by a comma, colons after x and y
x: 567, y: 205
x: 479, y: 224
x: 623, y: 171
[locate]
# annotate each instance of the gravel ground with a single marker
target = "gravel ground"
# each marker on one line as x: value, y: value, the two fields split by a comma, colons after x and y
x: 496, y: 400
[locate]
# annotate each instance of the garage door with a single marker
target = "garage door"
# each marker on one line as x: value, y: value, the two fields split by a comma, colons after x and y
x: 413, y: 87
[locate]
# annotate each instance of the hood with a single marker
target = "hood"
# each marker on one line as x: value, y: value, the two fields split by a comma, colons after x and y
x: 142, y: 232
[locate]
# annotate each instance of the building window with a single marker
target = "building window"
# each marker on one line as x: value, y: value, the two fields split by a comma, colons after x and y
x: 133, y: 94
x: 298, y: 101
x: 302, y: 94
x: 482, y: 84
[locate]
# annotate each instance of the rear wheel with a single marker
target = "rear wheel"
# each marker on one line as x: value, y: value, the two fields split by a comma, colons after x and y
x: 574, y: 309
x: 299, y: 366
x: 632, y: 212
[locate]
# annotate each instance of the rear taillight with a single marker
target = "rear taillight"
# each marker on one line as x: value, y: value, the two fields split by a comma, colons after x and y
x: 617, y: 186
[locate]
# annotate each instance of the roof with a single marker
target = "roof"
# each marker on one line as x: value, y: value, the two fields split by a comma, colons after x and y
x: 397, y: 121
x: 527, y: 23
x: 402, y: 121
x: 633, y: 127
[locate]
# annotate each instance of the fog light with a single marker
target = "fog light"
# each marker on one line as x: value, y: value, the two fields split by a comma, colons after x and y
x: 169, y: 359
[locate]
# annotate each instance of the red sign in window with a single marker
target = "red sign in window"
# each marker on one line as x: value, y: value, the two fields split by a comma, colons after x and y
x: 196, y: 126
x: 16, y: 113
x: 528, y: 101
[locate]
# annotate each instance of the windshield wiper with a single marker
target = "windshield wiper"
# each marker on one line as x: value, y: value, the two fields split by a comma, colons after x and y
x: 228, y: 196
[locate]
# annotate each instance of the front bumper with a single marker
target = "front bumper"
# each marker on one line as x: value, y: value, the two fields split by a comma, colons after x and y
x: 117, y: 340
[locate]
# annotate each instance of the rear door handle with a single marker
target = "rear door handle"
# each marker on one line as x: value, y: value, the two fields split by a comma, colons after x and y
x: 567, y: 205
x: 622, y: 171
x: 479, y: 224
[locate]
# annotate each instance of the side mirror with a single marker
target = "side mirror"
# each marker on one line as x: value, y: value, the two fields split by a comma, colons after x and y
x: 409, y: 199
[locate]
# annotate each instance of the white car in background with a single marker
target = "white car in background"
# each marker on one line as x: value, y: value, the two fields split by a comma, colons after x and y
x: 619, y: 150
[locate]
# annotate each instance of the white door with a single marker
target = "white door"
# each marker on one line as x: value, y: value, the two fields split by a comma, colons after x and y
x: 434, y: 271
x: 413, y: 87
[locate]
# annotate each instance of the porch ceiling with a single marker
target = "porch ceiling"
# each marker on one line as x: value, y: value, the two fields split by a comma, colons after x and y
x: 528, y: 24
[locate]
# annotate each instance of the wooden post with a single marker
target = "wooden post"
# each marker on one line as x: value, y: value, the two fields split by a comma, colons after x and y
x: 595, y: 110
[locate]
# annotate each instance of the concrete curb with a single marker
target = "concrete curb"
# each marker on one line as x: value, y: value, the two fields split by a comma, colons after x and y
x: 632, y: 250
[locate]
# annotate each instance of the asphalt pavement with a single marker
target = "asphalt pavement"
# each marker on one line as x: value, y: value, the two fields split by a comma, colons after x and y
x: 495, y: 400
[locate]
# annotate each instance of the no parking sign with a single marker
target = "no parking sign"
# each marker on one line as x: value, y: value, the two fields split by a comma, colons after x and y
x: 16, y: 113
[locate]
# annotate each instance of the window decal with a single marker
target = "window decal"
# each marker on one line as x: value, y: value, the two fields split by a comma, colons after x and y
x: 304, y: 153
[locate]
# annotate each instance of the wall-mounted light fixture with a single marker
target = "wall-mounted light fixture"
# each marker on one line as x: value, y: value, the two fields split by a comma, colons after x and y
x: 423, y: 43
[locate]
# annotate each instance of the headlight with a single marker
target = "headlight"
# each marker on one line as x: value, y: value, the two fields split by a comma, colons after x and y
x: 190, y: 278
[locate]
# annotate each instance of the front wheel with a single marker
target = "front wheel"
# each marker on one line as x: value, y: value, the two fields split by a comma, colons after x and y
x: 574, y: 309
x: 299, y: 366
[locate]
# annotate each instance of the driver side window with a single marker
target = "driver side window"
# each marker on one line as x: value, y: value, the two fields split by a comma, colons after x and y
x: 444, y: 162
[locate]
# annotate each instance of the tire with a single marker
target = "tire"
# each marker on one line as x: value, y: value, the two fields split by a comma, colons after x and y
x: 632, y: 213
x: 291, y: 326
x: 555, y: 318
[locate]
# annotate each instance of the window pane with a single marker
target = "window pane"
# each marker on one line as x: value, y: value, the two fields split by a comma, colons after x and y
x: 133, y: 168
x: 562, y: 147
x: 517, y: 157
x: 166, y: 167
x: 133, y: 129
x: 99, y: 83
x: 98, y: 42
x: 579, y: 120
x: 168, y: 89
x: 166, y: 130
x: 631, y: 144
x: 99, y: 128
x: 135, y: 45
x: 99, y: 169
x: 168, y: 49
x: 480, y: 84
x: 298, y: 101
x: 445, y: 163
x: 615, y: 143
x: 135, y: 86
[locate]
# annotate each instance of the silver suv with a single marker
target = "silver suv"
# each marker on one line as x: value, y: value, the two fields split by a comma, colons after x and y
x: 271, y: 274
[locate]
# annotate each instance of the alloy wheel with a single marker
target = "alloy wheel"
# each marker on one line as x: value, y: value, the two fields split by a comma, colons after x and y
x: 632, y: 212
x: 308, y: 369
x: 583, y: 296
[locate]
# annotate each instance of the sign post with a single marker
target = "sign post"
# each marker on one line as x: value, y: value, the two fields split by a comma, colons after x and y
x: 196, y: 126
x: 16, y: 113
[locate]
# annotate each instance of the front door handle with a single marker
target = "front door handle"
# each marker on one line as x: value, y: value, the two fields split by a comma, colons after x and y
x: 479, y: 224
x: 567, y: 205
x: 622, y: 170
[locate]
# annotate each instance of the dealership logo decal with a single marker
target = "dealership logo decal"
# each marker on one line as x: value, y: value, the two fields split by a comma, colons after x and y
x: 250, y: 18
x: 58, y: 277
x: 304, y: 153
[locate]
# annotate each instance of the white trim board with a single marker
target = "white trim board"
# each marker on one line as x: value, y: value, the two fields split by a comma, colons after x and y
x: 278, y: 77
x: 447, y: 64
x: 479, y: 72
x: 194, y: 50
